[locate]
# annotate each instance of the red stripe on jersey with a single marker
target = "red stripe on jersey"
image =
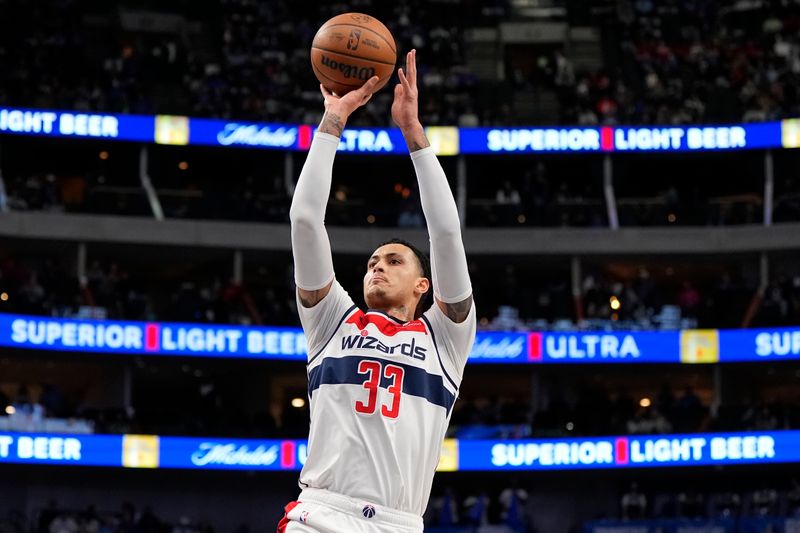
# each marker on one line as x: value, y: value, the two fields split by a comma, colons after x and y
x: 385, y: 325
x: 285, y: 521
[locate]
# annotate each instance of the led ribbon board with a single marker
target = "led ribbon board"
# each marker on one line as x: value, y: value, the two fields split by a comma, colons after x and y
x: 446, y: 140
x: 151, y: 451
x: 201, y: 340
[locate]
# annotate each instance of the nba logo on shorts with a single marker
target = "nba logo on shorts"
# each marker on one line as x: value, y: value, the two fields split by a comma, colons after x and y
x: 304, y: 516
x: 368, y: 511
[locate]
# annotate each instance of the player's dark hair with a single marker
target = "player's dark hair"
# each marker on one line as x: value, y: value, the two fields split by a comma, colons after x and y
x: 425, y: 267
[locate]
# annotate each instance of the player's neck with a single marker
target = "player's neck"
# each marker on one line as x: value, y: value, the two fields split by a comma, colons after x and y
x: 402, y: 313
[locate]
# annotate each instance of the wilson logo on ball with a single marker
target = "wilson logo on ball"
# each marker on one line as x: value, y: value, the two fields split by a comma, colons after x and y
x: 348, y: 71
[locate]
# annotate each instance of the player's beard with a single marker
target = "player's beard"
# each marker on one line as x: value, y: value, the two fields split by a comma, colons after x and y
x: 377, y: 297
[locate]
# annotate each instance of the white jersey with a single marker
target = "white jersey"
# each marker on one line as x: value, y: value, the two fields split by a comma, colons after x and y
x: 382, y: 393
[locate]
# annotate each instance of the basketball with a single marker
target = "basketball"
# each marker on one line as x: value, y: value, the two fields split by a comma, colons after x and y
x: 351, y: 48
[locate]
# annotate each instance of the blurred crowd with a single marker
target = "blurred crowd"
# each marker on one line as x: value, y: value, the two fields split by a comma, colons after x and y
x: 764, y: 500
x: 55, y: 518
x: 512, y: 297
x: 510, y: 506
x: 202, y: 405
x: 597, y: 411
x: 529, y: 199
x: 682, y: 62
x: 666, y: 62
x: 229, y: 59
x: 110, y: 291
x: 483, y: 510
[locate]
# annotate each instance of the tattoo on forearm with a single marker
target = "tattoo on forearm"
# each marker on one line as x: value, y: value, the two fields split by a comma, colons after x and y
x: 415, y: 145
x: 332, y: 123
x: 415, y: 138
x: 458, y: 311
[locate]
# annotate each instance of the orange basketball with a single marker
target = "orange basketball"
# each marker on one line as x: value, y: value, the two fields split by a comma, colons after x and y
x: 351, y: 48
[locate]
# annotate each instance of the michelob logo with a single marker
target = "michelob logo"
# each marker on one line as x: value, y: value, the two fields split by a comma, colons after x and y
x: 172, y: 130
x: 140, y: 451
x: 699, y: 346
x: 448, y: 459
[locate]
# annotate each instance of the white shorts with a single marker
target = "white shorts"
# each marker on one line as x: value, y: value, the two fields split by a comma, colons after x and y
x: 321, y: 511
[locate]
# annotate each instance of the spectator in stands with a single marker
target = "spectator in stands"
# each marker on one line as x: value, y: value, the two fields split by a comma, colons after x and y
x: 623, y: 408
x: 4, y: 403
x: 513, y: 501
x: 410, y: 217
x: 53, y: 401
x: 793, y: 499
x: 727, y: 505
x: 89, y: 521
x: 22, y: 400
x: 633, y: 503
x: 476, y: 509
x: 764, y: 502
x: 507, y: 195
x: 445, y: 510
x: 689, y: 411
x: 64, y: 523
x: 648, y: 420
x: 760, y: 417
x: 148, y: 522
x: 688, y: 299
x: 691, y: 504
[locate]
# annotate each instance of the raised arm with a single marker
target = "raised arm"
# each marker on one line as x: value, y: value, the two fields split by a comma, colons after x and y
x: 313, y: 263
x: 451, y: 284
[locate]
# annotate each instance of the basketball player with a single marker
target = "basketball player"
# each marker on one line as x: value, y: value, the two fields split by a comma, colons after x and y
x: 382, y: 383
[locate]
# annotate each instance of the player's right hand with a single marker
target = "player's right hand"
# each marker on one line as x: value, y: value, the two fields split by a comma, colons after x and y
x: 345, y: 105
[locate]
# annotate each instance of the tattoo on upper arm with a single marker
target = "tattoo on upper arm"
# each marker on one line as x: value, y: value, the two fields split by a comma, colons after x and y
x: 307, y: 302
x: 332, y: 123
x: 458, y: 311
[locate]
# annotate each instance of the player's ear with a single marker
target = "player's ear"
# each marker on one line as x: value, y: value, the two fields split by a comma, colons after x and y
x: 423, y: 284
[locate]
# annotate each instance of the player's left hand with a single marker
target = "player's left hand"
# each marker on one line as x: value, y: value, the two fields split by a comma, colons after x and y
x: 405, y: 108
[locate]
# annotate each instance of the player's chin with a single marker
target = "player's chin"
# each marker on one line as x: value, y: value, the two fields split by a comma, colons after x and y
x: 375, y: 296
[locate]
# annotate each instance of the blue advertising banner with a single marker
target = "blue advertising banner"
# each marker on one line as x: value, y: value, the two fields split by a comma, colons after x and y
x: 630, y: 451
x: 499, y: 347
x: 151, y: 451
x: 151, y: 338
x: 48, y: 123
x: 627, y: 139
x: 39, y: 448
x: 759, y: 344
x: 604, y: 347
x: 447, y: 140
x: 228, y: 454
x: 201, y: 340
x: 291, y: 137
x: 246, y: 134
